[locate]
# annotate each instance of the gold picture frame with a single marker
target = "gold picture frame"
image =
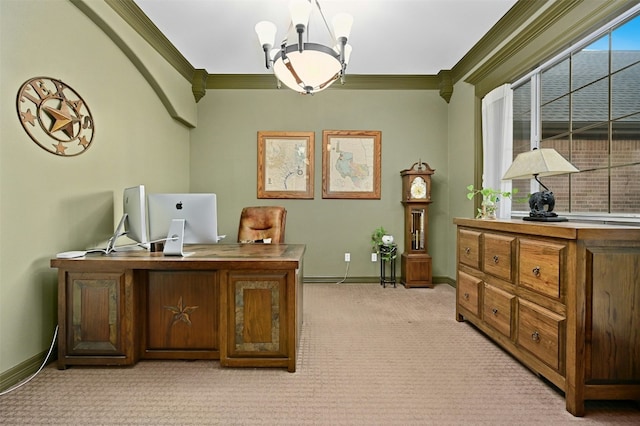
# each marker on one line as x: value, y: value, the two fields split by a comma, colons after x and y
x: 351, y: 161
x: 285, y: 164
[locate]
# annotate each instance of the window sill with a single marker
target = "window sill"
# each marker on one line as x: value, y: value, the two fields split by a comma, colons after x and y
x: 630, y: 219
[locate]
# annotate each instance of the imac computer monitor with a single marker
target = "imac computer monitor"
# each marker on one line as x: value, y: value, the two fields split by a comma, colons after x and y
x: 135, y: 208
x: 199, y: 212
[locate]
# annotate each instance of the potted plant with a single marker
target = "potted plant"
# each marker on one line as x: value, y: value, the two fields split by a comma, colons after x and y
x: 382, y: 243
x: 490, y: 198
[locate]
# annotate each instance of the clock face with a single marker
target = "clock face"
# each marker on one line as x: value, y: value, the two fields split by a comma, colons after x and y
x: 418, y: 188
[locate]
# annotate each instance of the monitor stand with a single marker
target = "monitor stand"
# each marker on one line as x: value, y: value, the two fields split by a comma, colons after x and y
x: 111, y: 244
x: 120, y: 232
x: 175, y: 239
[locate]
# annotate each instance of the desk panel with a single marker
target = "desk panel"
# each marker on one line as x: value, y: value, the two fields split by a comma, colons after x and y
x: 182, y: 310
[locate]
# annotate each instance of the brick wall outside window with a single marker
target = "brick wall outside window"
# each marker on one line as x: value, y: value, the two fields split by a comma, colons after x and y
x: 590, y: 113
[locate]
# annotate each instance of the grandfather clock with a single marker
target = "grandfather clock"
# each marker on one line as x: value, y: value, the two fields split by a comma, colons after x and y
x: 416, y: 197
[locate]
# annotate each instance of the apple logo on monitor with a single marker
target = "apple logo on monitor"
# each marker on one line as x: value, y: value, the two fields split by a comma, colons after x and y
x: 179, y: 205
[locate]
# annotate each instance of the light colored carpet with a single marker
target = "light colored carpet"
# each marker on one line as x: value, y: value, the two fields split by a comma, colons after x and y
x: 369, y: 356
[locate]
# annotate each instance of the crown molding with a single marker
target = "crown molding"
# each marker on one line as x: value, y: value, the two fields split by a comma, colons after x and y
x: 507, y: 25
x: 129, y: 11
x: 199, y: 83
x: 557, y: 27
x: 546, y: 20
x: 352, y: 82
x: 567, y: 19
x: 135, y: 17
x: 445, y: 84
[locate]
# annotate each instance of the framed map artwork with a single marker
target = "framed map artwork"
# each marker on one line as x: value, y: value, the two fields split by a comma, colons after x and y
x: 285, y: 164
x: 351, y: 164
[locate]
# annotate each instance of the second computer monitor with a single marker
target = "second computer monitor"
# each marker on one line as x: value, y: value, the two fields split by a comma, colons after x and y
x: 135, y: 207
x: 199, y: 212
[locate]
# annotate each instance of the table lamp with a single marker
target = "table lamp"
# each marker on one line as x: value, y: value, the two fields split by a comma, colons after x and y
x: 540, y: 163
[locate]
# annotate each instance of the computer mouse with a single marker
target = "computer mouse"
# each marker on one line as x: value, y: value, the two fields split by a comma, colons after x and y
x: 71, y: 254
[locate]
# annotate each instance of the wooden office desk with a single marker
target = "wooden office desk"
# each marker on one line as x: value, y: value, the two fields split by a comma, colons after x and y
x: 239, y: 303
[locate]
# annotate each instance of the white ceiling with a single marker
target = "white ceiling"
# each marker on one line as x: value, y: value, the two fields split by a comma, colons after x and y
x: 418, y: 37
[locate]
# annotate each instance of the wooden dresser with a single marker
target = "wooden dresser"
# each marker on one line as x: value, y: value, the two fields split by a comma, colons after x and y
x: 563, y: 298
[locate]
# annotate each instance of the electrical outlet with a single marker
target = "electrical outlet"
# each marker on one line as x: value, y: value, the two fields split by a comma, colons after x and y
x: 374, y: 257
x: 347, y: 257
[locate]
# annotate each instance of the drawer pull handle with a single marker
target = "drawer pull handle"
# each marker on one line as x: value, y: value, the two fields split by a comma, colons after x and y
x: 495, y: 259
x: 536, y: 271
x: 466, y: 296
x: 467, y: 250
x: 495, y: 311
x: 535, y: 336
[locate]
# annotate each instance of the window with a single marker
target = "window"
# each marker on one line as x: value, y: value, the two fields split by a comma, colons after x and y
x: 585, y: 104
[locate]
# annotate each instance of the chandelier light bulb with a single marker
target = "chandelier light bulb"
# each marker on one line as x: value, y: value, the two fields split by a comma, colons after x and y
x: 266, y: 32
x: 342, y: 24
x: 300, y: 11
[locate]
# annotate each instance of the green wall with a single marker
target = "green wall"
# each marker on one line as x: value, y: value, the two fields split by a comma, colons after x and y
x: 149, y: 130
x: 462, y: 129
x: 413, y: 125
x: 50, y: 204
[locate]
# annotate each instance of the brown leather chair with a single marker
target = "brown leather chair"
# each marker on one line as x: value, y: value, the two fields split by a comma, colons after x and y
x: 258, y: 223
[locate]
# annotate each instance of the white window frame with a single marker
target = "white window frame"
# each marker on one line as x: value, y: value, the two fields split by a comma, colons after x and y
x: 534, y: 78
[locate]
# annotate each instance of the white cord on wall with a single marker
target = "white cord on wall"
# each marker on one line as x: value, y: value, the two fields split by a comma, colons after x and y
x: 53, y: 342
x: 345, y: 274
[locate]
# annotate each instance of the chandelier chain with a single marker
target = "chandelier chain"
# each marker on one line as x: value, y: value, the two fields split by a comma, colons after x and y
x: 326, y: 24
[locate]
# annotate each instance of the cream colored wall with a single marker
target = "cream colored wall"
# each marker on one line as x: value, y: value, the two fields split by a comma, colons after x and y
x: 462, y: 129
x: 413, y: 125
x: 48, y: 203
x: 161, y: 76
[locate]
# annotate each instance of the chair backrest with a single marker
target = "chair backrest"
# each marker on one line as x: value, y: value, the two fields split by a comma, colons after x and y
x: 258, y: 223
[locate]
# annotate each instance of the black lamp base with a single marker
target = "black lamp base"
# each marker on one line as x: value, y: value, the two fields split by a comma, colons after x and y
x: 545, y: 219
x: 537, y: 203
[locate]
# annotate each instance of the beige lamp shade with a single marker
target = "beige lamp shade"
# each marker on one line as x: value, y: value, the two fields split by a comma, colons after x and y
x: 538, y: 163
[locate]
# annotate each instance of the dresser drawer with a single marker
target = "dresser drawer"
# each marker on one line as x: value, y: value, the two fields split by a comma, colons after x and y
x: 540, y: 331
x: 469, y: 248
x: 498, y: 309
x: 540, y: 266
x: 498, y: 255
x: 468, y: 290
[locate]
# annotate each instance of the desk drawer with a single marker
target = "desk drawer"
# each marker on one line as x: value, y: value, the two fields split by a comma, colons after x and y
x: 540, y: 266
x: 468, y: 291
x: 469, y: 248
x: 498, y: 255
x: 540, y: 331
x: 498, y: 309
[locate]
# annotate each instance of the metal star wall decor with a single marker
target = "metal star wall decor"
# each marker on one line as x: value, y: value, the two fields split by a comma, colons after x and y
x: 55, y: 117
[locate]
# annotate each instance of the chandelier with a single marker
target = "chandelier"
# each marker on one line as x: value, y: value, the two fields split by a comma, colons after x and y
x: 307, y: 67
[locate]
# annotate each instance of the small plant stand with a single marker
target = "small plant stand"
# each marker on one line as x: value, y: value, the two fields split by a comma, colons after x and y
x: 388, y: 255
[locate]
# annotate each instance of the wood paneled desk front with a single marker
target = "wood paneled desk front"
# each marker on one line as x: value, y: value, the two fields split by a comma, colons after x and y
x: 239, y: 303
